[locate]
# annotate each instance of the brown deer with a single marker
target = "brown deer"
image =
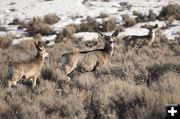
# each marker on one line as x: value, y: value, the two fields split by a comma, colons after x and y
x: 138, y: 41
x: 92, y: 60
x: 28, y: 69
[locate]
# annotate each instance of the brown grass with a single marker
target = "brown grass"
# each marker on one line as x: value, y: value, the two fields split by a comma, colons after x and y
x: 128, y: 22
x: 5, y: 41
x: 103, y: 15
x: 170, y: 10
x: 151, y: 16
x: 51, y: 18
x: 38, y: 26
x: 88, y: 25
x: 136, y: 84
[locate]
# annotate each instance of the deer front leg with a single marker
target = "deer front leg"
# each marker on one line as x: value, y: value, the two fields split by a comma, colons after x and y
x: 34, y: 82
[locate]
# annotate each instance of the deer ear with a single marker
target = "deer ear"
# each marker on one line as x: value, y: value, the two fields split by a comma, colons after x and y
x: 115, y: 33
x: 36, y: 45
x: 101, y: 35
x: 156, y: 26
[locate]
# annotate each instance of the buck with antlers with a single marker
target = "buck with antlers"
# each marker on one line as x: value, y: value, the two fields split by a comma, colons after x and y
x: 92, y: 60
x: 138, y: 41
x: 28, y: 69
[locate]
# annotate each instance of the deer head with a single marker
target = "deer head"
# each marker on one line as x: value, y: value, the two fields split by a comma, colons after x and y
x: 110, y: 38
x: 41, y: 49
x: 152, y: 29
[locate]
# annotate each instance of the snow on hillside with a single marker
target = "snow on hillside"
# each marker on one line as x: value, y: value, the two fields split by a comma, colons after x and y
x: 68, y: 9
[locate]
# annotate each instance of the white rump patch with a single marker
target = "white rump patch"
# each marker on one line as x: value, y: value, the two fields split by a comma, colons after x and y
x: 11, y: 70
x: 63, y: 59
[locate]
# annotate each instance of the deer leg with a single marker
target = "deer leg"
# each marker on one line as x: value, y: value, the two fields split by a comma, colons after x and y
x: 68, y: 69
x: 34, y: 82
x: 15, y: 79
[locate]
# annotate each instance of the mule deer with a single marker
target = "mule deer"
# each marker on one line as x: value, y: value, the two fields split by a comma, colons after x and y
x: 28, y: 69
x: 138, y: 41
x: 92, y: 60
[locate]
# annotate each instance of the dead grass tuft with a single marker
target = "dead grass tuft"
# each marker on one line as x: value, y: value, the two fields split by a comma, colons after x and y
x: 37, y: 26
x: 128, y: 22
x: 6, y: 41
x: 103, y: 15
x: 136, y: 84
x: 170, y: 10
x: 51, y: 18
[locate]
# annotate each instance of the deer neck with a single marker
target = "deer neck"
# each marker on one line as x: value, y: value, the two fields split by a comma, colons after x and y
x: 40, y: 58
x: 152, y: 35
x: 109, y: 48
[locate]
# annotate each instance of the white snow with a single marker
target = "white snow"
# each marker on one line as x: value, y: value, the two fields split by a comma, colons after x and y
x: 67, y: 10
x: 86, y: 35
x: 16, y: 41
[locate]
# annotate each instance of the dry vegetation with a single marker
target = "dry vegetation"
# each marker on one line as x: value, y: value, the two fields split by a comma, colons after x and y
x: 89, y: 25
x: 38, y: 25
x: 5, y: 41
x: 172, y: 10
x: 134, y: 85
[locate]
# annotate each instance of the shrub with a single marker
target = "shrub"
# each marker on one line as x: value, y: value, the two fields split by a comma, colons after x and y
x: 131, y: 85
x: 1, y: 27
x: 170, y: 10
x: 6, y: 41
x: 103, y: 15
x: 67, y: 32
x: 51, y: 18
x: 19, y: 22
x: 128, y: 22
x: 109, y: 25
x: 37, y: 26
x: 145, y: 18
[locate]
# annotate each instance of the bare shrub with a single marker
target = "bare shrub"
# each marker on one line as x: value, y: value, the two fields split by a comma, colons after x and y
x: 19, y: 22
x: 134, y: 85
x: 128, y: 22
x: 1, y: 27
x: 37, y: 26
x: 151, y: 16
x: 170, y: 10
x: 6, y: 41
x: 25, y: 44
x: 103, y: 15
x: 67, y: 32
x: 109, y: 25
x: 51, y: 18
x: 89, y: 25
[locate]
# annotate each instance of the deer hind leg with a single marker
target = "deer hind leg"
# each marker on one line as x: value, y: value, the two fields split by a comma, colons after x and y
x: 15, y: 79
x: 68, y: 69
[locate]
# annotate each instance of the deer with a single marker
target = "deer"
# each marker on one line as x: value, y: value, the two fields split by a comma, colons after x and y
x: 29, y: 69
x: 92, y: 60
x: 138, y: 41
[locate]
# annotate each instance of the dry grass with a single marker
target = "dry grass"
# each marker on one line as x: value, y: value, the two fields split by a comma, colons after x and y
x: 5, y: 41
x: 88, y: 25
x: 22, y: 24
x: 170, y: 10
x: 151, y: 16
x: 51, y: 18
x: 128, y: 22
x: 103, y: 15
x: 136, y: 84
x: 38, y: 26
